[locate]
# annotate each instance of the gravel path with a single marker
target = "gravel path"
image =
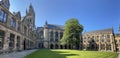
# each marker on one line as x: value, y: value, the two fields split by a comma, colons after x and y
x: 16, y: 54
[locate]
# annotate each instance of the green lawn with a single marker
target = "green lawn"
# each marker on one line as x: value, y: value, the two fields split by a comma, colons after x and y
x: 70, y: 54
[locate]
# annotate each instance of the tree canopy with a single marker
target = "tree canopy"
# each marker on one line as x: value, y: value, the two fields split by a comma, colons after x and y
x: 72, y: 32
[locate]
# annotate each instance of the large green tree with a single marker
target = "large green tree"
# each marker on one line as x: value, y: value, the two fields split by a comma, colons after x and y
x: 72, y: 32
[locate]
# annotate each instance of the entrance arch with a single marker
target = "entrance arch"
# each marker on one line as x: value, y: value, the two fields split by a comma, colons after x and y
x: 61, y: 47
x: 56, y: 46
x: 51, y: 46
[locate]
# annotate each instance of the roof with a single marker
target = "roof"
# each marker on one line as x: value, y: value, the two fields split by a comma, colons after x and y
x: 53, y: 26
x: 109, y: 30
x: 40, y: 28
x: 117, y: 35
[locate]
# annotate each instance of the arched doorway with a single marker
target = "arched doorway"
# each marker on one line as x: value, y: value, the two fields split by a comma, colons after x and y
x: 65, y: 46
x: 61, y: 47
x: 24, y: 44
x: 92, y: 47
x: 51, y: 46
x: 69, y: 46
x: 56, y: 46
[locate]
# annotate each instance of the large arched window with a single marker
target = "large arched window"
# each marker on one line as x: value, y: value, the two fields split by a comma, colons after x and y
x: 51, y: 34
x: 19, y: 26
x: 61, y: 35
x: 12, y: 23
x: 3, y: 16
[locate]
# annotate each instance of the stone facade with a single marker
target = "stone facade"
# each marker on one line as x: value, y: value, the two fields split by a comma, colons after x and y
x: 16, y: 32
x: 102, y: 40
x: 50, y: 36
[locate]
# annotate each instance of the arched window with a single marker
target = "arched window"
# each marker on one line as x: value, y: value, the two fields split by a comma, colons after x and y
x: 3, y: 16
x: 12, y: 23
x: 61, y: 35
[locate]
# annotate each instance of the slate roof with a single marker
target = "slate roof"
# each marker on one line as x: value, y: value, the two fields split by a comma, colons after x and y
x: 54, y: 26
x: 109, y: 30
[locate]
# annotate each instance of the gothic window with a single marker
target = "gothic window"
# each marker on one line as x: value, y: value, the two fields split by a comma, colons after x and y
x: 3, y: 16
x: 18, y: 42
x: 108, y: 36
x: 25, y: 30
x: 41, y: 34
x: 97, y: 37
x: 18, y: 26
x: 56, y: 40
x: 61, y: 35
x: 12, y: 23
x: 102, y: 40
x: 51, y: 34
x: 51, y: 39
x: 56, y: 35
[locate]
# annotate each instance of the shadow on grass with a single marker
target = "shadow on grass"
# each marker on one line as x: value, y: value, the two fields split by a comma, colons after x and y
x: 50, y: 54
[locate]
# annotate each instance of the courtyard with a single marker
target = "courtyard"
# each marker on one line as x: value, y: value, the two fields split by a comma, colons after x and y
x: 62, y: 53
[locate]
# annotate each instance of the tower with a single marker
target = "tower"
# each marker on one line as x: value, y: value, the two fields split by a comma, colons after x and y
x: 46, y: 36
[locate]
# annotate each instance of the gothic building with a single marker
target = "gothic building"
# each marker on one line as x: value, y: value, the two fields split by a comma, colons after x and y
x: 102, y: 40
x: 16, y: 32
x: 50, y: 36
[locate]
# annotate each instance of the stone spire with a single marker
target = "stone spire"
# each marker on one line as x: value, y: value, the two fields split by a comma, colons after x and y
x: 46, y: 22
x: 119, y: 29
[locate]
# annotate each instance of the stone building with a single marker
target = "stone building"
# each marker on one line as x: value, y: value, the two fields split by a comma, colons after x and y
x: 102, y: 40
x: 50, y: 36
x: 117, y: 38
x: 16, y: 32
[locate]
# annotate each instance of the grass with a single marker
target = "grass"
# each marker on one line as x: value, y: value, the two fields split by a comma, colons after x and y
x: 70, y: 54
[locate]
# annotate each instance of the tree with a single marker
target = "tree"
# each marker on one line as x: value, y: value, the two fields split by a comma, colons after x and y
x: 72, y: 32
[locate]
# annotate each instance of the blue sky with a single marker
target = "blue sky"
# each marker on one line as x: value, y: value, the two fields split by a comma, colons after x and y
x: 92, y: 14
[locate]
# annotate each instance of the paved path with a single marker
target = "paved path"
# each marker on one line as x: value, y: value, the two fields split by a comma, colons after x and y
x: 16, y: 54
x: 119, y: 55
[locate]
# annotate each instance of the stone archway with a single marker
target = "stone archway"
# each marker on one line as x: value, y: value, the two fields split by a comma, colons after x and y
x: 65, y: 46
x: 24, y: 44
x: 61, y: 47
x: 51, y: 46
x: 56, y: 46
x: 69, y: 46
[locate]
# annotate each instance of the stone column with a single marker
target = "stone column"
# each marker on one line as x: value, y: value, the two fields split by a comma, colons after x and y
x: 99, y: 43
x: 112, y: 45
x: 6, y: 41
x: 54, y: 36
x: 21, y: 43
x: 15, y: 43
x: 105, y: 42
